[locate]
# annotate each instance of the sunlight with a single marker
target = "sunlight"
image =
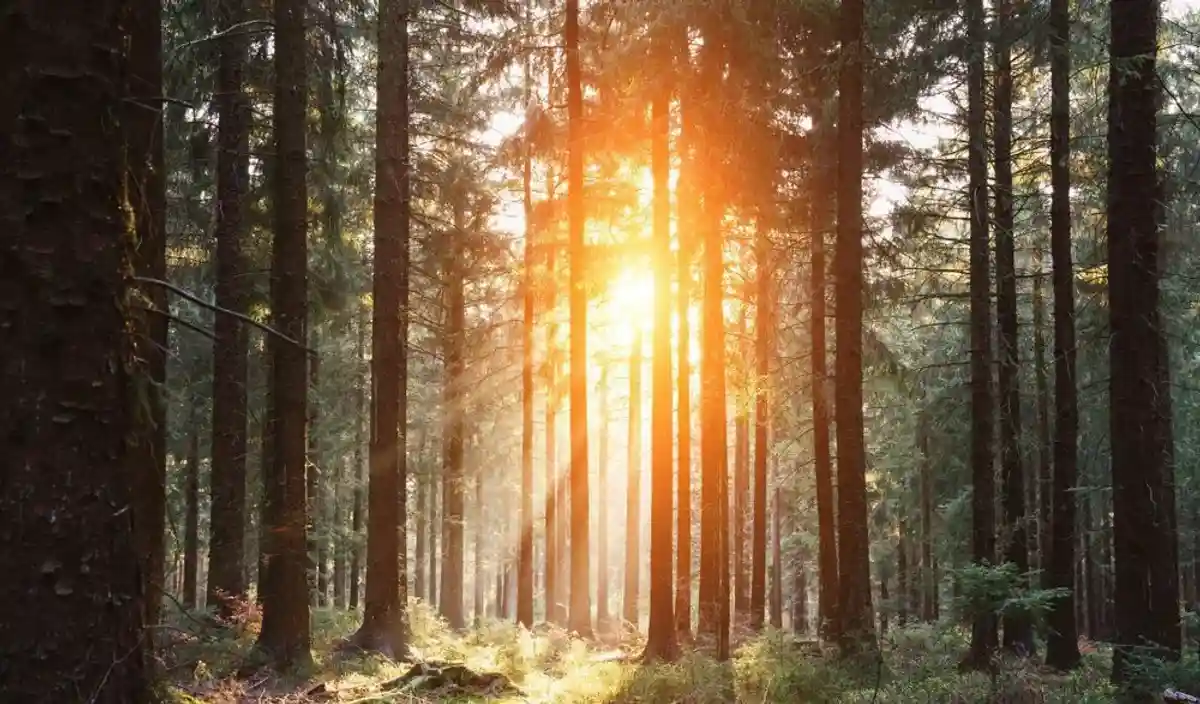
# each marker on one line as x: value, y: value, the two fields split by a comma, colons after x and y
x: 628, y: 307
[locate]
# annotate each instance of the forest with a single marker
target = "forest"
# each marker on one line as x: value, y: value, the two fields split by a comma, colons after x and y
x: 603, y: 351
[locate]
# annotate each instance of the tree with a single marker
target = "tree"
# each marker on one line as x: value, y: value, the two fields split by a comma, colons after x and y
x: 762, y: 354
x: 525, y: 550
x: 142, y: 121
x: 1062, y: 647
x: 827, y: 547
x: 603, y: 617
x: 686, y: 209
x: 633, y: 498
x: 191, y: 525
x: 285, y: 638
x: 660, y: 642
x: 1147, y: 589
x: 67, y: 496
x: 454, y: 413
x: 384, y: 628
x: 230, y: 364
x: 854, y: 569
x: 1018, y: 628
x: 983, y: 541
x: 580, y: 614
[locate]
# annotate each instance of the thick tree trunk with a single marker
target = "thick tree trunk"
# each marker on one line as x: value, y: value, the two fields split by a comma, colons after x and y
x: 1018, y: 628
x: 983, y: 539
x: 384, y: 627
x: 284, y: 637
x: 72, y: 612
x: 142, y: 121
x: 580, y: 615
x: 453, y: 501
x: 762, y: 356
x: 1045, y: 449
x: 854, y: 570
x: 827, y: 557
x: 633, y: 498
x: 230, y: 364
x: 687, y: 208
x: 660, y: 642
x: 1062, y: 647
x: 1140, y: 397
x: 525, y: 548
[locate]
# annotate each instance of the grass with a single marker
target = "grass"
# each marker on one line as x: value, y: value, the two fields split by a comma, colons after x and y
x: 919, y: 664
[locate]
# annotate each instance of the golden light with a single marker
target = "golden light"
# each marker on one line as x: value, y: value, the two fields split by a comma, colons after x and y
x: 629, y: 307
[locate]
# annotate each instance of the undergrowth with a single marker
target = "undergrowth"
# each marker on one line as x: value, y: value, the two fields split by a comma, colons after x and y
x: 918, y: 664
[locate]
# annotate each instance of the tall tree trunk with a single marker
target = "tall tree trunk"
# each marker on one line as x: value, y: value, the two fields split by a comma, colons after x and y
x: 72, y: 607
x: 1140, y: 398
x: 313, y: 475
x: 191, y: 525
x: 633, y: 497
x: 687, y: 208
x: 230, y: 364
x: 554, y: 608
x: 983, y: 539
x: 339, y: 531
x: 1062, y: 647
x: 929, y: 577
x: 800, y: 600
x: 776, y: 606
x: 421, y: 558
x: 660, y: 641
x: 741, y: 490
x: 827, y: 556
x: 1018, y: 628
x: 603, y: 617
x: 714, y: 556
x: 453, y: 501
x: 1045, y: 450
x: 902, y: 578
x: 477, y: 578
x: 435, y: 492
x: 762, y: 356
x: 854, y: 570
x: 356, y: 513
x: 580, y: 616
x: 525, y: 549
x: 285, y: 638
x: 142, y: 120
x: 384, y: 627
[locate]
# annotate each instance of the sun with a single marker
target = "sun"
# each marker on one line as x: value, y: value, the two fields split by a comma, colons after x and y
x: 627, y: 307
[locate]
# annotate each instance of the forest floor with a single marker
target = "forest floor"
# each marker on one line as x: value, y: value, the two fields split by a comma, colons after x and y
x: 919, y: 664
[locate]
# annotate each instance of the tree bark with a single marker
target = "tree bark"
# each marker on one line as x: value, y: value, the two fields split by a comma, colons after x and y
x: 453, y: 432
x: 687, y: 208
x: 284, y: 638
x: 741, y: 491
x: 1142, y: 460
x: 1045, y: 449
x: 1062, y: 647
x: 762, y: 354
x: 356, y: 513
x: 983, y: 540
x: 191, y: 525
x: 72, y: 612
x: 856, y: 632
x: 580, y: 616
x: 603, y: 617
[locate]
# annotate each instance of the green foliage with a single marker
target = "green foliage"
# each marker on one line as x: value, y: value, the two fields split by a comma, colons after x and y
x: 1000, y: 590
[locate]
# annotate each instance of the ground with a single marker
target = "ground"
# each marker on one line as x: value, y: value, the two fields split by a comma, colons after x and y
x: 919, y: 665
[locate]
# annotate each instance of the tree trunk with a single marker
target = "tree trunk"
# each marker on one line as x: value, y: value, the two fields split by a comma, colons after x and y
x: 72, y: 607
x: 230, y: 364
x: 421, y: 558
x: 284, y: 637
x: 687, y: 207
x: 800, y: 600
x: 741, y: 491
x: 1045, y: 450
x: 142, y: 121
x: 854, y: 570
x: 902, y: 579
x: 356, y: 514
x: 776, y: 561
x: 580, y: 616
x: 435, y: 492
x: 983, y: 540
x: 554, y: 611
x: 339, y: 541
x: 884, y: 596
x: 929, y: 578
x: 315, y: 549
x: 633, y: 498
x: 603, y: 617
x: 384, y: 626
x: 1018, y: 628
x: 660, y: 641
x: 191, y: 526
x: 477, y: 578
x: 1142, y: 462
x: 453, y: 549
x: 827, y: 556
x: 1062, y: 647
x: 762, y: 354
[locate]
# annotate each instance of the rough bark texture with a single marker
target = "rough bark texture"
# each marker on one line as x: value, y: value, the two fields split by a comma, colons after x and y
x: 285, y: 639
x: 827, y: 555
x: 660, y: 641
x: 1062, y: 647
x: 1045, y: 449
x: 580, y: 615
x: 143, y: 125
x: 983, y: 540
x: 230, y: 362
x: 384, y: 628
x: 70, y: 563
x: 856, y: 633
x: 633, y: 497
x: 1018, y: 627
x: 453, y: 502
x: 525, y: 549
x: 1140, y: 398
